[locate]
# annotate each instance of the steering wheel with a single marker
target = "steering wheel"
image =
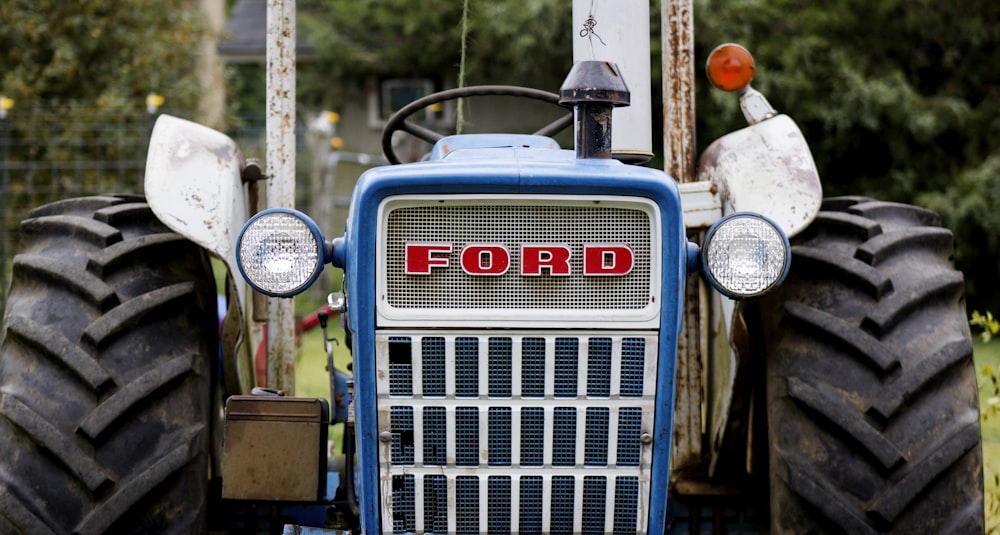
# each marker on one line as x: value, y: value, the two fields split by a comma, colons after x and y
x: 400, y: 119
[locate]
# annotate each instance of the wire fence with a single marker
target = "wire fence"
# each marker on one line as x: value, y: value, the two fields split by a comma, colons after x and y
x: 52, y: 151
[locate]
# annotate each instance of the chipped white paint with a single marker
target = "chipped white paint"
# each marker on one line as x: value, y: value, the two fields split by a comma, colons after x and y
x: 702, y: 207
x: 193, y: 185
x: 280, y: 161
x: 766, y: 168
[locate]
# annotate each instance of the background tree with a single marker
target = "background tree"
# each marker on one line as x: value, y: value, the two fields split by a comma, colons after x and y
x: 896, y: 97
x: 519, y: 42
x: 103, y: 52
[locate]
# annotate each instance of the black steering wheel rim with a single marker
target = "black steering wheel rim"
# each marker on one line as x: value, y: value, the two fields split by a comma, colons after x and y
x: 399, y: 120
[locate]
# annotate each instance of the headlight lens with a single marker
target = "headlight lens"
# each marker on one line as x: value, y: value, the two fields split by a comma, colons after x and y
x: 745, y: 255
x: 280, y: 252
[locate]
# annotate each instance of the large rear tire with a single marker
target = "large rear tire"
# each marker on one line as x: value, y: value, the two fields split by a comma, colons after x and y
x: 109, y: 335
x: 873, y: 417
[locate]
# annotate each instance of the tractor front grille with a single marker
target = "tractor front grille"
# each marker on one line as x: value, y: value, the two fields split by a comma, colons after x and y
x: 515, y: 431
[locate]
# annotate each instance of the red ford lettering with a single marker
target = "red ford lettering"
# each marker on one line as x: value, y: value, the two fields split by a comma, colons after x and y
x: 494, y: 259
x: 538, y: 258
x: 607, y: 259
x: 420, y: 258
x: 491, y: 260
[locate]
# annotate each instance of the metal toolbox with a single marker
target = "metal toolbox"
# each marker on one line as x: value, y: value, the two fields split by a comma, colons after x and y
x: 275, y: 448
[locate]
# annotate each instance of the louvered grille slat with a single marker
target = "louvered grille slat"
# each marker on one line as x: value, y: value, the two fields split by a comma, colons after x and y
x: 596, y: 449
x: 467, y: 436
x: 500, y: 367
x: 564, y: 437
x: 594, y: 503
x: 499, y: 504
x: 531, y: 504
x: 403, y: 499
x: 467, y: 504
x: 435, y: 436
x: 626, y: 504
x: 474, y: 438
x: 436, y: 503
x: 599, y: 368
x: 563, y: 500
x: 532, y: 436
x: 433, y: 366
x: 467, y: 367
x: 499, y: 445
x: 533, y: 367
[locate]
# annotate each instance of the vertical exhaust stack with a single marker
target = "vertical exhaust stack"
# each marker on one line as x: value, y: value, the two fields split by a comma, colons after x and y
x: 594, y: 89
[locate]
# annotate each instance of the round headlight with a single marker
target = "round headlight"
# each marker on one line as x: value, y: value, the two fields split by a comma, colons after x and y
x: 745, y: 255
x: 280, y: 252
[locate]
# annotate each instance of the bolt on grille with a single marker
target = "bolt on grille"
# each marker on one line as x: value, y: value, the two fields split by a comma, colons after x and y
x: 516, y: 431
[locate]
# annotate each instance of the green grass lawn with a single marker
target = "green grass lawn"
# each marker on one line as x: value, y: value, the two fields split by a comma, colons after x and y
x: 987, y: 357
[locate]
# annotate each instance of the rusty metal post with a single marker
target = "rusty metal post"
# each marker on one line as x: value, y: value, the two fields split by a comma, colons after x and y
x: 678, y: 89
x: 679, y: 157
x: 280, y: 154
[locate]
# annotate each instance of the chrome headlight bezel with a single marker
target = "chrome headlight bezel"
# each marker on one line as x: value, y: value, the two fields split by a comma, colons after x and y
x: 303, y: 245
x: 764, y: 255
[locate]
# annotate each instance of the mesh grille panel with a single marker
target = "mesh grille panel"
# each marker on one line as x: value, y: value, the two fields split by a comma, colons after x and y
x: 436, y: 504
x: 626, y: 504
x: 505, y: 223
x: 403, y: 499
x: 507, y: 462
x: 594, y: 504
x: 435, y: 436
x: 467, y: 504
x: 433, y: 366
x: 596, y: 452
x: 499, y: 446
x: 499, y: 504
x: 562, y: 504
x: 533, y: 367
x: 532, y: 436
x: 531, y: 504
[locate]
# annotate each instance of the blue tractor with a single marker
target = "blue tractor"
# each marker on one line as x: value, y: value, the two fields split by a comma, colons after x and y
x: 513, y: 311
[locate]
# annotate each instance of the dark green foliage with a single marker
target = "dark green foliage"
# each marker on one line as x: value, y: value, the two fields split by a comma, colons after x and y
x: 104, y: 52
x: 899, y: 99
x: 509, y: 41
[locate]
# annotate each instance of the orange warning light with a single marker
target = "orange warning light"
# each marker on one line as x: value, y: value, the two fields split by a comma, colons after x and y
x: 730, y: 67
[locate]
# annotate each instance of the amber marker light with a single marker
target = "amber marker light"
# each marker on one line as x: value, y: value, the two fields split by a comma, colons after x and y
x: 730, y: 67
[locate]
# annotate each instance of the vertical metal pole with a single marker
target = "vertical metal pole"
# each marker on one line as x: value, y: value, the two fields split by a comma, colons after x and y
x: 678, y: 89
x: 677, y: 25
x: 280, y: 154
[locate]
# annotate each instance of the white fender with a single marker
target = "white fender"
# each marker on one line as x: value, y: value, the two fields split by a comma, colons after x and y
x: 193, y: 185
x: 765, y: 168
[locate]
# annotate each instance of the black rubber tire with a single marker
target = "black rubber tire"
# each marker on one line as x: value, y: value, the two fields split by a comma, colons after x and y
x: 109, y: 335
x: 873, y: 419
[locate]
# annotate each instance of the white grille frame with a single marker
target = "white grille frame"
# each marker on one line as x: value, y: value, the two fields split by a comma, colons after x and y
x: 641, y: 311
x: 385, y: 401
